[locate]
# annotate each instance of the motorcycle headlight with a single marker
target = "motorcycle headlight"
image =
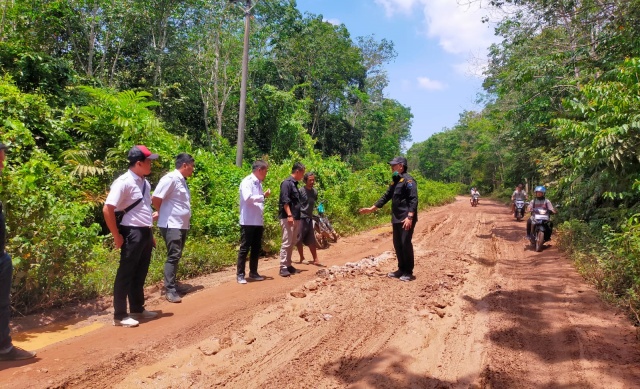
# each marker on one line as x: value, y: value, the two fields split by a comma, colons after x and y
x: 543, y: 212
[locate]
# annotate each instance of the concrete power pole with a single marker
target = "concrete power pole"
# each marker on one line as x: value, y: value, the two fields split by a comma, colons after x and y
x: 243, y: 83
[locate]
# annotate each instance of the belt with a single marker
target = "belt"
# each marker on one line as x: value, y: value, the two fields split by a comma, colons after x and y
x: 137, y: 228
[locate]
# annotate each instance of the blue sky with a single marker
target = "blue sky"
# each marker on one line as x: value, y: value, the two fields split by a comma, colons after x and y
x: 441, y: 46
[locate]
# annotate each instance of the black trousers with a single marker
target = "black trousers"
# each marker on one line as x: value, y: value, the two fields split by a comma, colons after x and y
x: 404, y: 247
x: 175, y: 239
x: 250, y: 240
x: 135, y: 257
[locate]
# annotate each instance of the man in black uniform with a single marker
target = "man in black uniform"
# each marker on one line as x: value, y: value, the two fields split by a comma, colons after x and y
x: 403, y: 193
x: 289, y: 214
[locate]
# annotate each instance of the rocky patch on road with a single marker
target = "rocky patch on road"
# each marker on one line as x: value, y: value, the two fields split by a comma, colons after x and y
x: 369, y: 266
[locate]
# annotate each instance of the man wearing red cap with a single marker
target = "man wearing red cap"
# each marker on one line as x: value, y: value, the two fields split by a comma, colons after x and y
x: 130, y: 194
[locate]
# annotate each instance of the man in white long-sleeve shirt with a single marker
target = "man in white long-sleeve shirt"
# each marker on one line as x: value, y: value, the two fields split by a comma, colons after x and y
x: 252, y: 221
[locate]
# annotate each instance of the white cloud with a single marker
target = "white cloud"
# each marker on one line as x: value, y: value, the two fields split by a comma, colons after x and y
x: 392, y: 7
x: 428, y: 84
x: 455, y: 24
x: 334, y: 21
x: 458, y: 28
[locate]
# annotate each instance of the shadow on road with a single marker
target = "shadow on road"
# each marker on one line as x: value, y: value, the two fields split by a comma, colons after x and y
x: 511, y: 233
x: 534, y: 319
x: 387, y: 370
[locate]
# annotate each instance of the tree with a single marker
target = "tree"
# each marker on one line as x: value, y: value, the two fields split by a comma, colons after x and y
x: 213, y: 60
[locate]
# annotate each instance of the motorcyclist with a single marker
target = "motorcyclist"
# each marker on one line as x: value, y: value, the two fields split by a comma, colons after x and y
x: 518, y: 194
x: 540, y: 202
x: 474, y: 191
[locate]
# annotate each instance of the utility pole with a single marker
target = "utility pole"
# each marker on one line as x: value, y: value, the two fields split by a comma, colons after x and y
x: 243, y: 84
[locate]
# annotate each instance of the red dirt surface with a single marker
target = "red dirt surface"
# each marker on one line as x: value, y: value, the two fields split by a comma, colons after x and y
x: 485, y: 311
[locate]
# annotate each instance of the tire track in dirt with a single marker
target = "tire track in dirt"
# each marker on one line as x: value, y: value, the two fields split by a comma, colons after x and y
x: 394, y: 333
x: 540, y: 312
x: 483, y: 312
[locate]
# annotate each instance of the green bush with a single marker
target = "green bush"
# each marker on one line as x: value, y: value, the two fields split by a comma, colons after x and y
x: 608, y: 258
x: 51, y: 234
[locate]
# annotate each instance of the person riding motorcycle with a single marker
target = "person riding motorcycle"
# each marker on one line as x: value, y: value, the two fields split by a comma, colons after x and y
x: 474, y: 191
x: 540, y: 202
x: 518, y: 194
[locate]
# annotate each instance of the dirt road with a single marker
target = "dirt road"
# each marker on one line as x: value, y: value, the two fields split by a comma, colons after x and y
x: 483, y: 312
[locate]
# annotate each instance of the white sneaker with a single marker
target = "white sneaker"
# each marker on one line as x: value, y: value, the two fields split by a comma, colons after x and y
x: 144, y: 315
x: 126, y: 322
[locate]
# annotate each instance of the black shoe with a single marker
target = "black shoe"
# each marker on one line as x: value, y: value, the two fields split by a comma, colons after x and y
x: 406, y: 277
x: 173, y: 297
x: 395, y: 274
x: 256, y: 277
x: 284, y: 273
x: 292, y: 269
x: 17, y: 354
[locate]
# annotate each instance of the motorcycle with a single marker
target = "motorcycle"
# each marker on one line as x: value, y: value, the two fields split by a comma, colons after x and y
x: 519, y: 209
x: 474, y: 200
x: 322, y: 228
x: 541, y: 226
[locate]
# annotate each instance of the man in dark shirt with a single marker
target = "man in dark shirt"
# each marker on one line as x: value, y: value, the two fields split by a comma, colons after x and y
x: 403, y: 193
x: 8, y: 352
x: 289, y: 214
x: 308, y: 197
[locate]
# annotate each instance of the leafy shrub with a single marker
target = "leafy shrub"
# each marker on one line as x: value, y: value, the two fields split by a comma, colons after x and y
x: 608, y: 258
x: 50, y: 235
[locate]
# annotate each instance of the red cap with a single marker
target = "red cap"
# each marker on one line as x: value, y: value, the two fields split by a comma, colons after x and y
x: 140, y: 153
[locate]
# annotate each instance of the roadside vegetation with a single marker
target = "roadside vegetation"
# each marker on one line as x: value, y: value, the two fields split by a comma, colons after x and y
x: 561, y: 109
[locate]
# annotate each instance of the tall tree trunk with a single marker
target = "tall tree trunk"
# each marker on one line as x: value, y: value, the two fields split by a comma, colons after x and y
x: 92, y: 39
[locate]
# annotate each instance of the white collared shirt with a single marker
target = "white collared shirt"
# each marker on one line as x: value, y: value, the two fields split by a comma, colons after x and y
x: 124, y: 191
x: 175, y: 210
x: 251, y: 201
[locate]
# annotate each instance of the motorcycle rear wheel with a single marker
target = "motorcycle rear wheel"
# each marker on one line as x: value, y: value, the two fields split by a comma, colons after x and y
x: 320, y: 239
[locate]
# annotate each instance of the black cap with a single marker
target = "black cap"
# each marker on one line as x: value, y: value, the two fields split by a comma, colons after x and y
x: 398, y: 161
x: 3, y: 146
x: 140, y: 153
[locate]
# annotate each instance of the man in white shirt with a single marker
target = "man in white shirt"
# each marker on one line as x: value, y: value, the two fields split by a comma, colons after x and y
x: 474, y: 191
x: 130, y: 193
x: 172, y: 199
x: 251, y: 221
